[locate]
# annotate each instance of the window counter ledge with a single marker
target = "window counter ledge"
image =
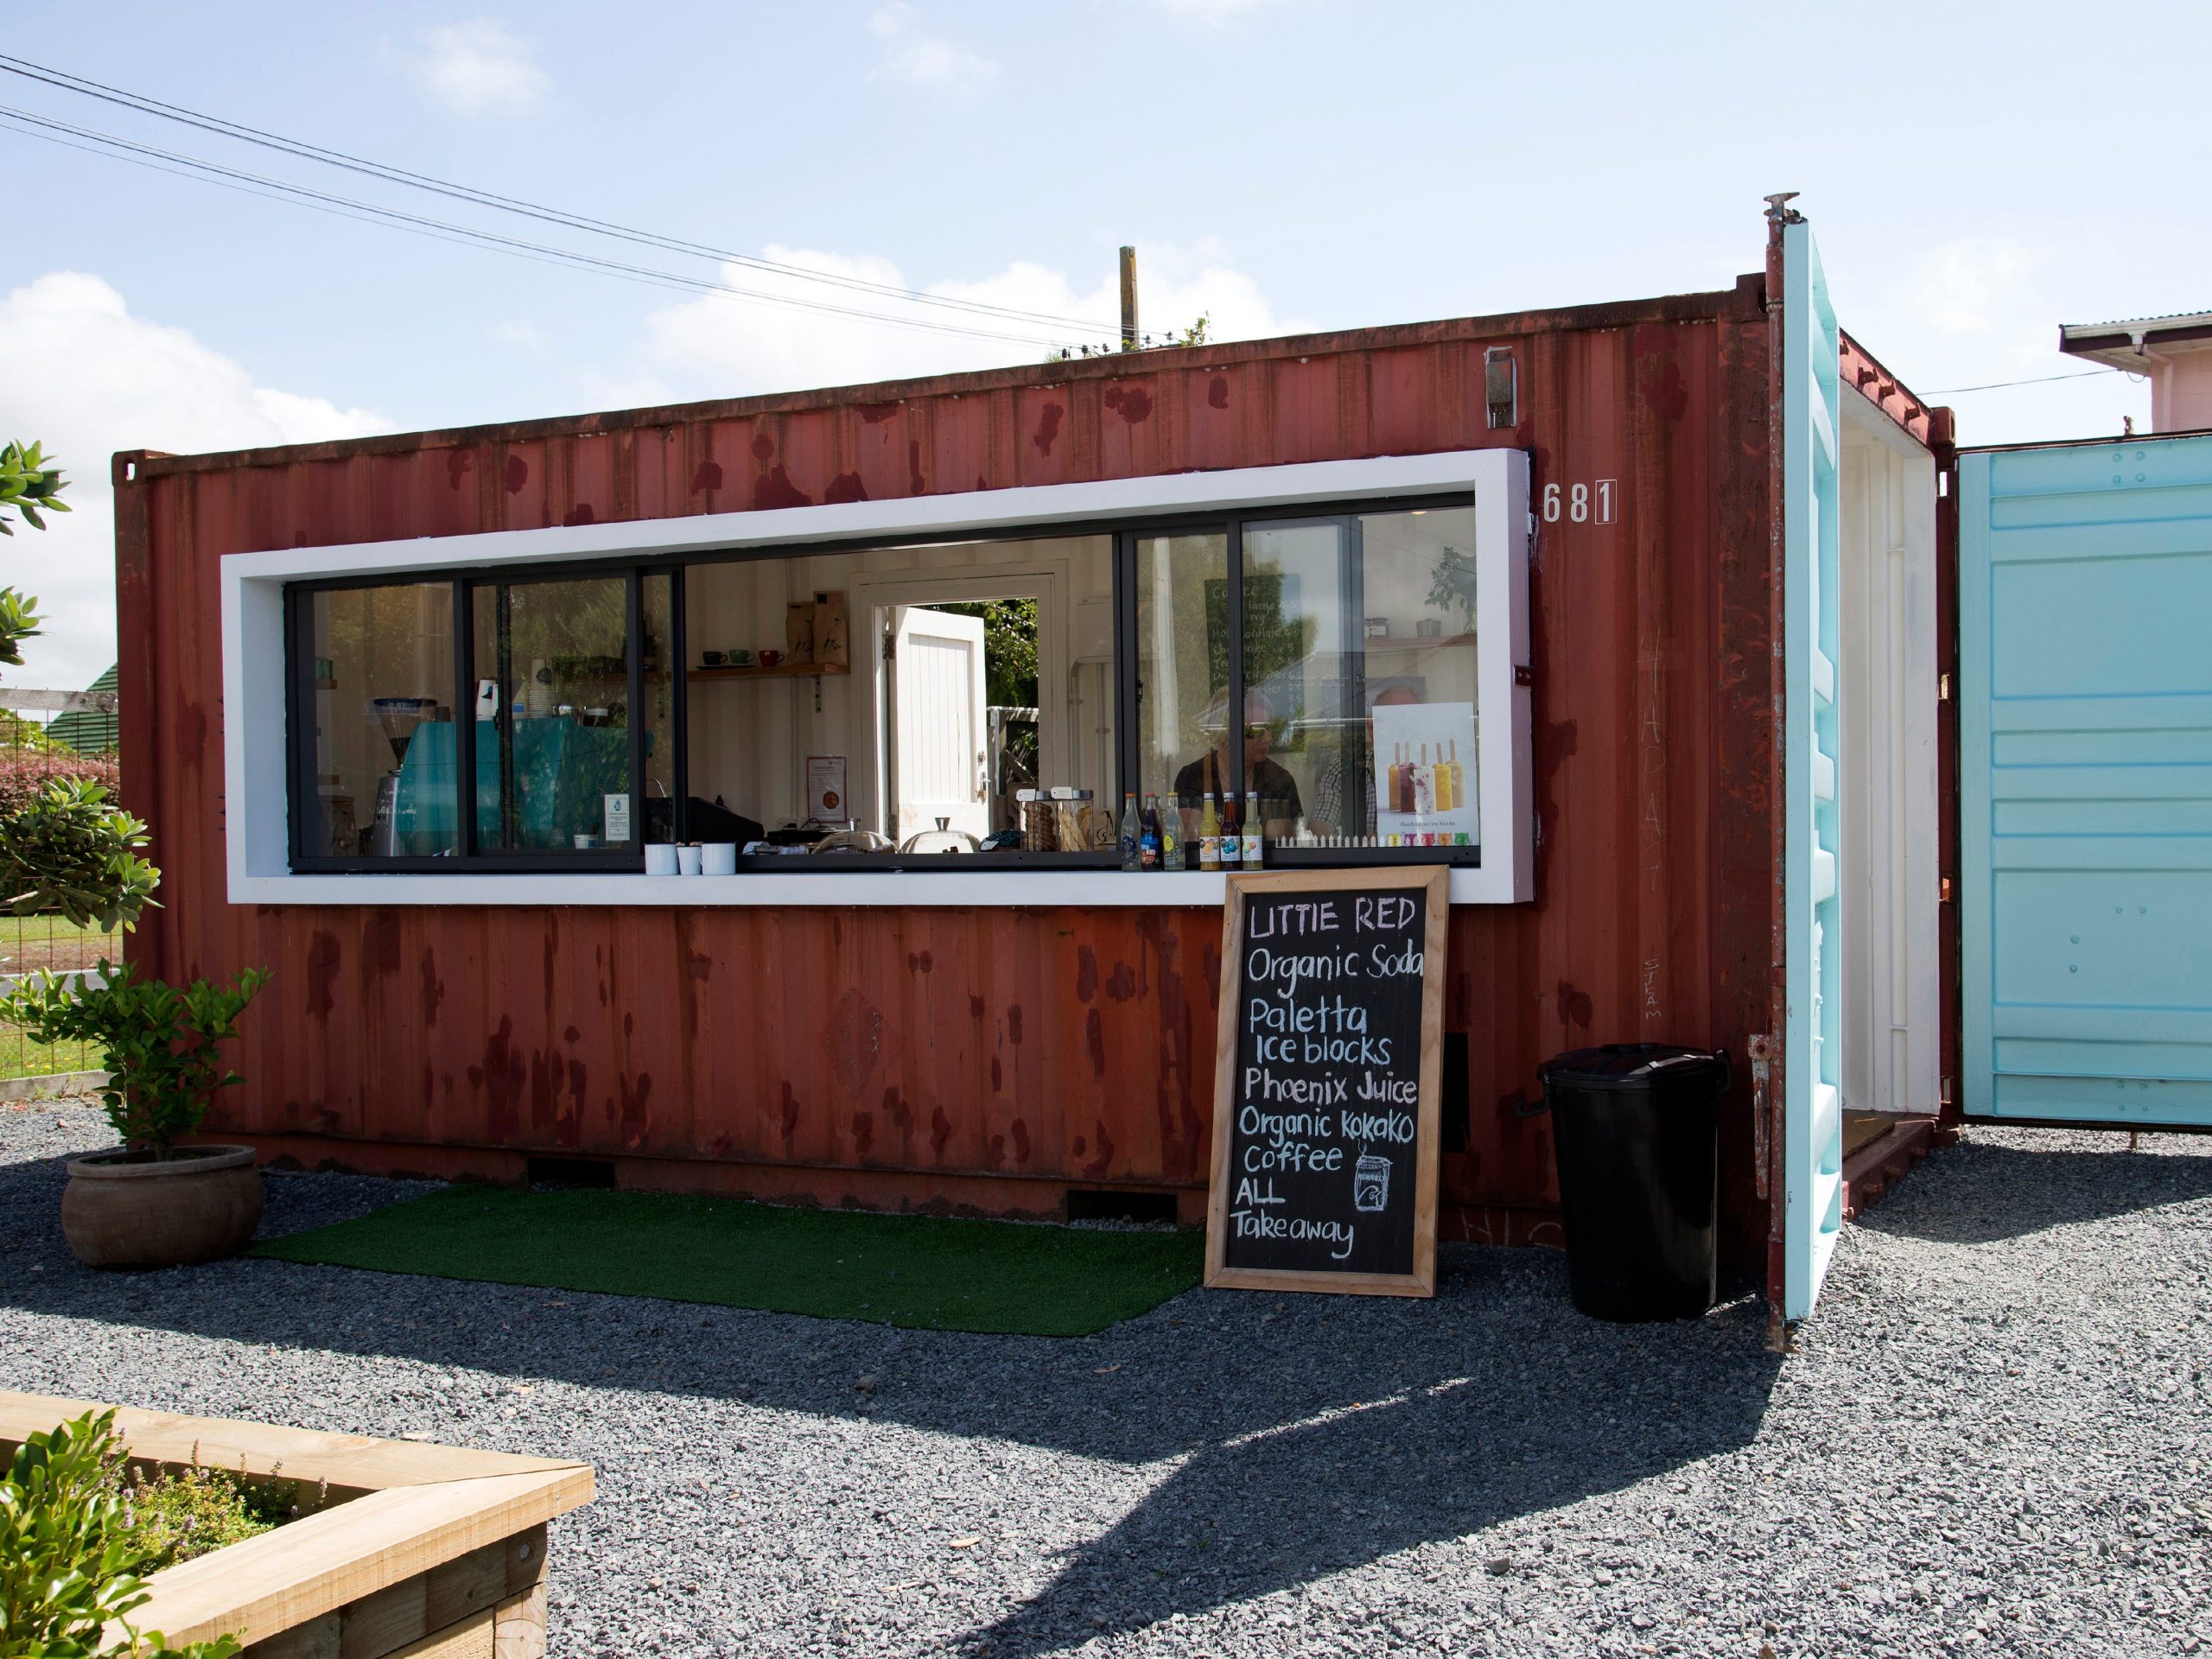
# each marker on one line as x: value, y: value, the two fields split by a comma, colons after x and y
x: 1029, y: 890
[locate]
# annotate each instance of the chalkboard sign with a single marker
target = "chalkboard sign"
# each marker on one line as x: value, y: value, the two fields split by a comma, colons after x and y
x: 1325, y: 1082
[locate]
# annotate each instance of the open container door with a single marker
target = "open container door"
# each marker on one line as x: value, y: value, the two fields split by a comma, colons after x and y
x: 1811, y: 1188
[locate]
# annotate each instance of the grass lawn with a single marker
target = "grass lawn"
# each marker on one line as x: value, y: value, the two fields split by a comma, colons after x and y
x: 922, y: 1271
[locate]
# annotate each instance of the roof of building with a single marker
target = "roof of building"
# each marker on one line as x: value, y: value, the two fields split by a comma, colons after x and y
x: 86, y: 730
x: 2119, y: 344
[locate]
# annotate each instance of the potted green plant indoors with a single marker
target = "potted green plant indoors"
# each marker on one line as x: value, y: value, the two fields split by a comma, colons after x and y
x: 150, y: 1202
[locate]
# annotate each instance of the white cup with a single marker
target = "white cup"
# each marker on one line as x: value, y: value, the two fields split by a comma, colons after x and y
x: 718, y: 858
x: 687, y: 860
x: 660, y: 858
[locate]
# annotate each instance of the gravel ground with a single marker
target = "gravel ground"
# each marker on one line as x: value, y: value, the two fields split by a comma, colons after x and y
x: 1992, y: 1438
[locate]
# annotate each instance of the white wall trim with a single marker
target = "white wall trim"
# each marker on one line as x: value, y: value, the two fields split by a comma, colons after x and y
x: 254, y: 700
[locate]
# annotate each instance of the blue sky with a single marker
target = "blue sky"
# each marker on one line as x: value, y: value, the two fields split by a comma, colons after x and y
x: 1976, y: 174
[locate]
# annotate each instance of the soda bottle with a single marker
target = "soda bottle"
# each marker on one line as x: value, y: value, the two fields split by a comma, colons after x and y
x: 1172, y: 856
x: 1209, y: 834
x: 1255, y: 834
x: 1132, y: 834
x: 1148, y: 835
x: 1232, y: 844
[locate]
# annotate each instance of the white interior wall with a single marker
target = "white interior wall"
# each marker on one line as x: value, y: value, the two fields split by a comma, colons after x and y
x: 1891, y: 1018
x: 750, y: 738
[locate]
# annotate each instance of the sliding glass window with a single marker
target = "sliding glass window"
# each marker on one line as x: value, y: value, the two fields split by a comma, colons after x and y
x: 1323, y: 667
x: 553, y: 772
x: 376, y: 666
x: 896, y: 705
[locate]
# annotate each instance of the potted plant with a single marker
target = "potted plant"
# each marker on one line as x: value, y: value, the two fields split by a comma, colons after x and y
x: 151, y: 1202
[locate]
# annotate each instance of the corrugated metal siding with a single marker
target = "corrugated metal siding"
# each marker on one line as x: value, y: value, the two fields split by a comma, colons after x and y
x: 1065, y: 1045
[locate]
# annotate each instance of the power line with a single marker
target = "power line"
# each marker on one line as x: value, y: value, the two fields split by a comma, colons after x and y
x: 2041, y: 379
x: 71, y: 83
x: 305, y: 195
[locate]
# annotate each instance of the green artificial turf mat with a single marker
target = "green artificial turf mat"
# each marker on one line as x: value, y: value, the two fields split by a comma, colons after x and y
x: 922, y: 1271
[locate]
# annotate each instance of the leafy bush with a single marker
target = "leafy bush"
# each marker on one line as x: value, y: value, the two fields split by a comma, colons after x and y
x: 159, y: 1044
x: 26, y: 771
x: 69, y: 850
x: 67, y: 1566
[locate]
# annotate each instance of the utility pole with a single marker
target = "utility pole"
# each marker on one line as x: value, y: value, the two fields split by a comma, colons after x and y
x: 1128, y: 299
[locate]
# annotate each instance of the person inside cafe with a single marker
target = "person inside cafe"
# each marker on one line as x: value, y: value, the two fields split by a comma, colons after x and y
x: 1332, y: 814
x: 1279, y: 806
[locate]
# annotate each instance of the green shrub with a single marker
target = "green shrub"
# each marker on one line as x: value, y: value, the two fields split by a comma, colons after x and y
x: 68, y: 849
x: 160, y: 1045
x: 195, y: 1511
x: 67, y: 1566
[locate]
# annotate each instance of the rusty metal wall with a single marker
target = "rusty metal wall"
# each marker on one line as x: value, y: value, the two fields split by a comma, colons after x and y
x: 995, y: 1055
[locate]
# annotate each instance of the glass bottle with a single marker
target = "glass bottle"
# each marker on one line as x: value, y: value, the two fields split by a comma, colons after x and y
x: 1148, y: 835
x: 1132, y: 834
x: 1209, y: 834
x: 1232, y: 844
x: 1172, y: 856
x: 1253, y: 852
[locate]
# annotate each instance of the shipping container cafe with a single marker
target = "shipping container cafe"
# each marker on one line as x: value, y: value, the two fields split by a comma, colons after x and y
x: 1652, y: 598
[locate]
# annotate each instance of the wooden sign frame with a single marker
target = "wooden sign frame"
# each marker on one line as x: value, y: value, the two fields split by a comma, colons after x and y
x: 1435, y: 880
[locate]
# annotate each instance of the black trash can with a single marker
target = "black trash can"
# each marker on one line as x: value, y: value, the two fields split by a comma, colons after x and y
x: 1638, y: 1142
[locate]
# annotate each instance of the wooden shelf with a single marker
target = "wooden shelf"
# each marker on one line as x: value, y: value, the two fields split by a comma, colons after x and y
x: 780, y: 671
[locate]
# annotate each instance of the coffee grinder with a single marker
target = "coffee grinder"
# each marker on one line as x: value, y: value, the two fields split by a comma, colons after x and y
x: 396, y: 718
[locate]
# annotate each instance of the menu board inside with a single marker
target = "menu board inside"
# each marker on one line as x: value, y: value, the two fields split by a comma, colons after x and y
x: 1324, y: 1148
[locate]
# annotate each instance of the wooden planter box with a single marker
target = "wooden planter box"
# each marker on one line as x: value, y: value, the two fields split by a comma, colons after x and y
x: 418, y: 1550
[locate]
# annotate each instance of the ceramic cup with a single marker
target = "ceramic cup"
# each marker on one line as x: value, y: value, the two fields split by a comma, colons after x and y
x: 660, y: 858
x: 687, y: 860
x: 718, y: 858
x: 770, y: 658
x: 740, y: 657
x: 712, y: 658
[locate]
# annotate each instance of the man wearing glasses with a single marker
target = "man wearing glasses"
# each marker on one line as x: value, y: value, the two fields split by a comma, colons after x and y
x: 1279, y: 806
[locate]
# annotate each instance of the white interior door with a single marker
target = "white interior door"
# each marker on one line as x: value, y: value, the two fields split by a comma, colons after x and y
x: 939, y: 751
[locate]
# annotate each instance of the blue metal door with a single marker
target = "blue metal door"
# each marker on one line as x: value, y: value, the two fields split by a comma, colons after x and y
x: 2084, y: 770
x: 1812, y: 1150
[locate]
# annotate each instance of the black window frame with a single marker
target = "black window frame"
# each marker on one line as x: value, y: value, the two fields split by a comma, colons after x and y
x: 1124, y: 533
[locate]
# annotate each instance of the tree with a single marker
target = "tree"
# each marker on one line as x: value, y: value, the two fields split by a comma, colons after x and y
x: 32, y: 488
x: 69, y: 850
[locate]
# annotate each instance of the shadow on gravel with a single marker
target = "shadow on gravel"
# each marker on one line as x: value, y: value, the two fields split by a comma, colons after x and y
x: 1979, y: 1194
x: 1562, y: 1412
x: 1316, y: 1433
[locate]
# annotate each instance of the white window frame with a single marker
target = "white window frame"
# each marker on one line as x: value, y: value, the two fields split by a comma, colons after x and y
x: 256, y: 822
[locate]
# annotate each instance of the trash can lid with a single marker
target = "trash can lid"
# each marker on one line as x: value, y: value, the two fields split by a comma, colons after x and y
x: 1632, y: 1065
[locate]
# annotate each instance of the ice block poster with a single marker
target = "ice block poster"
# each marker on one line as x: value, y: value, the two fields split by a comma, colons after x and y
x: 1325, y: 1115
x: 1425, y: 783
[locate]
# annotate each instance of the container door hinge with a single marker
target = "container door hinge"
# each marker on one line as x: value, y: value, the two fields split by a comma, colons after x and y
x: 1942, y: 688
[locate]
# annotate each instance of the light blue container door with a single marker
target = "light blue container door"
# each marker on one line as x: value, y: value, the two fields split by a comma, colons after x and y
x: 2085, y: 771
x: 1812, y: 1137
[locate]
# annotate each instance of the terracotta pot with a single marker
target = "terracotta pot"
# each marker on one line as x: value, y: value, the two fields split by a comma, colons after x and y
x: 201, y: 1203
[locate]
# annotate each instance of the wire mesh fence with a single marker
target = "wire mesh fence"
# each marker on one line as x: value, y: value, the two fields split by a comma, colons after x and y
x: 78, y: 742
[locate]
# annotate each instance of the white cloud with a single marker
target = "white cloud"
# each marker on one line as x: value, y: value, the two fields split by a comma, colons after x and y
x: 478, y: 68
x: 86, y: 378
x: 722, y: 345
x: 1213, y: 14
x: 1972, y: 284
x: 913, y: 58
